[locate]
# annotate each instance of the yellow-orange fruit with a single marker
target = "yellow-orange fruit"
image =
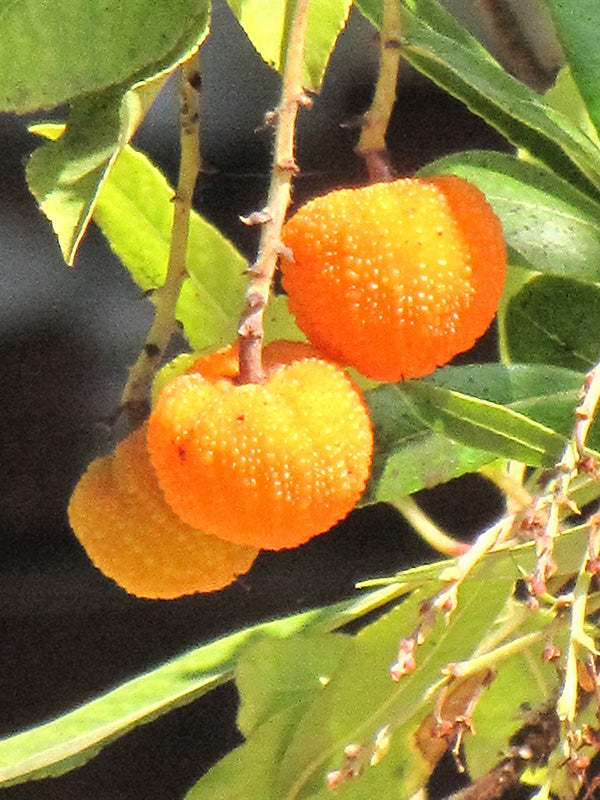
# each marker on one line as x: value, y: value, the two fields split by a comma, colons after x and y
x: 119, y: 514
x: 395, y: 278
x: 268, y: 465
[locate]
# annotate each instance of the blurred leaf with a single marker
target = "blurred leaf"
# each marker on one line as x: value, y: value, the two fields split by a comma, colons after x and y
x: 267, y: 24
x: 440, y: 48
x: 576, y: 23
x: 526, y: 679
x: 135, y: 213
x: 51, y: 53
x: 69, y: 741
x: 551, y: 321
x: 548, y: 225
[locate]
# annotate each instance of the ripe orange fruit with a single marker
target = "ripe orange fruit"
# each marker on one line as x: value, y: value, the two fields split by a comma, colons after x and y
x: 395, y: 278
x: 267, y: 465
x: 121, y: 518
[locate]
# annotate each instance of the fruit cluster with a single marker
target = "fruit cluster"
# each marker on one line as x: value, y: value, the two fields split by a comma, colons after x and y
x: 240, y: 467
x: 393, y: 279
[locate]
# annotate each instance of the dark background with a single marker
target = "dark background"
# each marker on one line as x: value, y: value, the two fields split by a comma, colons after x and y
x: 67, y: 337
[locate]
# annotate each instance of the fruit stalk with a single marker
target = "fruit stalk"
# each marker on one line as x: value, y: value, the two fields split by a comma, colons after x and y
x: 135, y: 395
x: 371, y: 145
x: 284, y: 167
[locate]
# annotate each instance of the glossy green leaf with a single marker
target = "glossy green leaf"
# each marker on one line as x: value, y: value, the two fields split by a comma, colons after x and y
x: 549, y: 226
x: 576, y: 23
x: 419, y: 447
x: 52, y: 53
x: 428, y: 432
x: 551, y: 321
x: 135, y: 212
x: 486, y: 425
x: 69, y: 741
x: 267, y: 24
x: 437, y: 46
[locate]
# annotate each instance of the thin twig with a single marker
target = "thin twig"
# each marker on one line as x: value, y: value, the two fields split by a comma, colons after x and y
x: 371, y: 145
x: 557, y: 497
x: 135, y: 395
x: 284, y: 167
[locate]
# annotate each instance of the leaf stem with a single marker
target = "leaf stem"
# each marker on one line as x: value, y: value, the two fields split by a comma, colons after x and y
x: 427, y: 529
x: 371, y: 145
x: 284, y: 167
x: 135, y: 395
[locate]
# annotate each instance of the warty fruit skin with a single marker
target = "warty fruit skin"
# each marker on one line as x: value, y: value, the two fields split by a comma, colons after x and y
x: 119, y: 514
x: 395, y: 278
x: 268, y: 465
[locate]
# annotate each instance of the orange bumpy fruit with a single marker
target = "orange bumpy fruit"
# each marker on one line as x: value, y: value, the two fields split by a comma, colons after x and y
x: 120, y: 516
x: 395, y: 278
x: 269, y: 464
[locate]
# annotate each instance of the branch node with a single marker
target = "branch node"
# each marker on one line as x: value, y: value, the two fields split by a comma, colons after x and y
x: 257, y: 218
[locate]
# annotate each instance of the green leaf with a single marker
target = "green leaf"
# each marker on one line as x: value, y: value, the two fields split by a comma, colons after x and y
x: 52, y: 53
x: 487, y: 425
x: 506, y: 408
x: 135, y: 213
x: 279, y: 322
x: 437, y: 46
x: 272, y: 675
x: 548, y: 225
x: 564, y: 95
x: 551, y: 321
x: 298, y: 726
x: 267, y: 24
x: 526, y: 679
x: 360, y: 700
x: 69, y: 741
x: 576, y: 23
x: 65, y: 174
